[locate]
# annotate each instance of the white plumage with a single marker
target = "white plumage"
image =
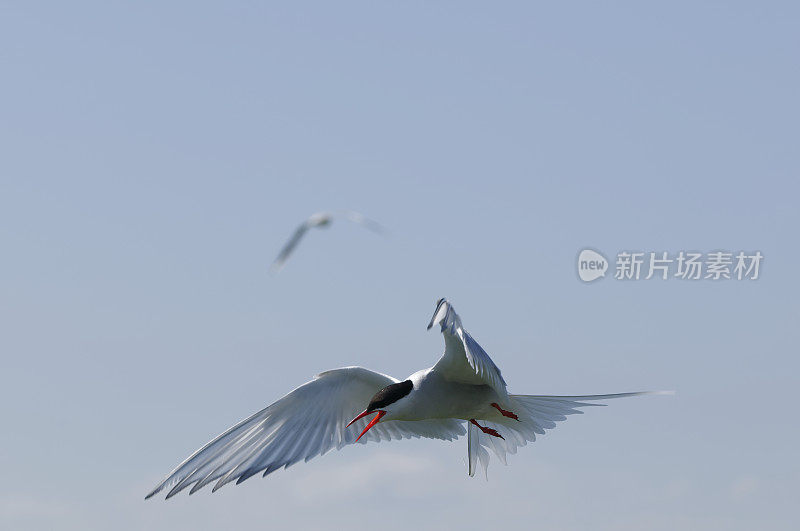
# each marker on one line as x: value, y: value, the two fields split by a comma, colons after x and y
x: 464, y: 386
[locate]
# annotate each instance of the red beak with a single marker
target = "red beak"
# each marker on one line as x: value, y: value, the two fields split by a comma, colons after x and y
x: 371, y: 423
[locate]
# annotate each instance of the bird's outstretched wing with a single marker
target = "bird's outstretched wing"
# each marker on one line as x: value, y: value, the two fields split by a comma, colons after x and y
x: 289, y: 247
x: 536, y: 413
x: 306, y: 423
x: 464, y: 360
x: 364, y: 221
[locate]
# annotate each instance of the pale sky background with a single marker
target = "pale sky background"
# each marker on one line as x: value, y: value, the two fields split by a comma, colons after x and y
x: 153, y: 159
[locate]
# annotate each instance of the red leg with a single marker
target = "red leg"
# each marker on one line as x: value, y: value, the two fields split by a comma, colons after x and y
x: 504, y: 412
x: 488, y: 431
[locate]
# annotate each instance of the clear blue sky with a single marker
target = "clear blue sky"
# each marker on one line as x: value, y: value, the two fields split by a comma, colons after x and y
x: 153, y: 159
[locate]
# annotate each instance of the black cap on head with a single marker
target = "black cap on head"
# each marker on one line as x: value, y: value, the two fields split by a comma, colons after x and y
x: 389, y: 395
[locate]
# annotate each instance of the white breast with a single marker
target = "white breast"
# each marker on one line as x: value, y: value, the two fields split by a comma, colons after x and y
x: 434, y: 397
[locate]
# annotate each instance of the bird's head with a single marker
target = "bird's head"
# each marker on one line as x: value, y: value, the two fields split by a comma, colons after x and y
x: 383, y: 402
x: 320, y: 219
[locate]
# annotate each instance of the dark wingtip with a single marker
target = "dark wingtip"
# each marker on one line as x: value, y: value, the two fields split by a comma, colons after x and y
x: 438, y: 305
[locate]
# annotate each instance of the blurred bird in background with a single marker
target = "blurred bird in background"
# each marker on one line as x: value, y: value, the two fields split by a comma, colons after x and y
x: 322, y: 220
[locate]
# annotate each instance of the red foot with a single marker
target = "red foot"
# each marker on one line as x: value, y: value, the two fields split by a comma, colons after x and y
x: 504, y: 412
x: 486, y: 430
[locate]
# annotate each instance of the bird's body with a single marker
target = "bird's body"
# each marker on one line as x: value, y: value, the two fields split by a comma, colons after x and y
x: 436, y: 397
x: 464, y: 385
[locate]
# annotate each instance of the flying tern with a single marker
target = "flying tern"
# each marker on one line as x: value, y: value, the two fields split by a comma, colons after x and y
x: 321, y: 220
x: 464, y: 389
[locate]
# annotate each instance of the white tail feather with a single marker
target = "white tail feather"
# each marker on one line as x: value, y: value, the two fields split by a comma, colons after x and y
x: 537, y: 413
